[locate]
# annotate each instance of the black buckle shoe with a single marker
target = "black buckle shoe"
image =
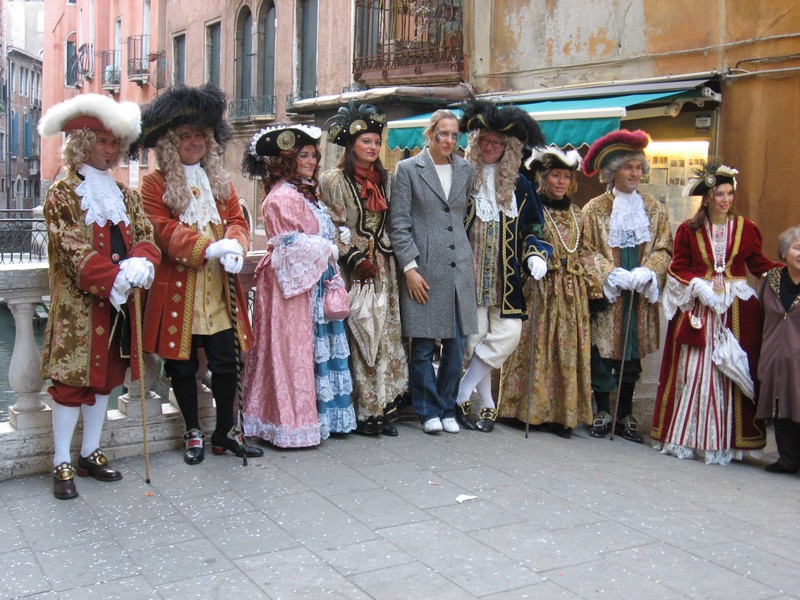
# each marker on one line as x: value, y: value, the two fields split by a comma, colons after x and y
x: 601, y: 425
x: 96, y: 465
x: 220, y: 443
x: 628, y: 428
x: 193, y: 450
x: 64, y: 482
x: 464, y: 416
x: 389, y: 429
x: 486, y: 419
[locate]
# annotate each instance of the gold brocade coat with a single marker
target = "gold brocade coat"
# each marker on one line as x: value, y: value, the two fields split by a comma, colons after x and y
x: 82, y: 275
x: 655, y: 255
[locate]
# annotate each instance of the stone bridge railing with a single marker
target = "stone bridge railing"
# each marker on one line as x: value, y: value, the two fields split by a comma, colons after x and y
x: 26, y: 444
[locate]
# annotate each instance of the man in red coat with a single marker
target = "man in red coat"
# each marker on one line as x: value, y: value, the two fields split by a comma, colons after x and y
x: 201, y: 230
x: 100, y: 245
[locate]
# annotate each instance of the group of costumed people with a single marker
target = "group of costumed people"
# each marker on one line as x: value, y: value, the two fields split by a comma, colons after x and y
x: 484, y: 260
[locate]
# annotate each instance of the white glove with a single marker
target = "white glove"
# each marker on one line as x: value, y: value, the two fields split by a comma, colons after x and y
x: 232, y: 263
x: 537, y: 266
x: 138, y: 271
x: 120, y: 290
x: 334, y: 253
x: 640, y: 278
x: 619, y: 279
x: 345, y: 235
x: 223, y: 246
x: 703, y: 292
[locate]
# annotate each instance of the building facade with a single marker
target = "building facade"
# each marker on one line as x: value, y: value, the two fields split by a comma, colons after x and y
x: 22, y: 30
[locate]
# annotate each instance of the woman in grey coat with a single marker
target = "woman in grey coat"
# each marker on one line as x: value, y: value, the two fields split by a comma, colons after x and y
x: 430, y: 196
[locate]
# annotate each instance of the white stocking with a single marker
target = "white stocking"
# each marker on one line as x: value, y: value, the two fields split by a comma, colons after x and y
x: 485, y: 392
x: 64, y: 420
x: 93, y: 419
x: 476, y: 371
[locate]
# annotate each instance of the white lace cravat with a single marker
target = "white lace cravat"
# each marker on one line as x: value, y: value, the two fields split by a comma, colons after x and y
x: 202, y: 209
x: 486, y: 206
x: 629, y: 225
x: 101, y: 198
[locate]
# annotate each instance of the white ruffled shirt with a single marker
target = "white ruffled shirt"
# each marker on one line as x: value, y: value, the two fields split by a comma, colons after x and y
x: 486, y: 207
x: 629, y: 225
x: 202, y: 208
x: 101, y: 198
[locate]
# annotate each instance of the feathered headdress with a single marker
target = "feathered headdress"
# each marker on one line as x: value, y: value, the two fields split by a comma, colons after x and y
x: 273, y: 140
x: 506, y: 120
x: 614, y: 145
x: 181, y: 105
x: 553, y: 157
x: 708, y: 176
x: 93, y: 111
x: 352, y: 120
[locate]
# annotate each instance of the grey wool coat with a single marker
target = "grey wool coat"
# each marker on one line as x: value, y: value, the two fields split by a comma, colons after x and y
x: 429, y: 228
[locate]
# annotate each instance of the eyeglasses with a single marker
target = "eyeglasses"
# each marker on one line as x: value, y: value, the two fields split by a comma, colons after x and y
x: 497, y: 145
x: 446, y: 134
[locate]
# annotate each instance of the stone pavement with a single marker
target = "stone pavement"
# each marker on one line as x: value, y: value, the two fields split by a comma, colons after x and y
x: 381, y: 518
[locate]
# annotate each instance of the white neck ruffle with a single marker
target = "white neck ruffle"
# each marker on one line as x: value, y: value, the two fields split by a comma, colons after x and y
x: 202, y: 208
x: 629, y: 225
x: 486, y: 206
x: 101, y: 198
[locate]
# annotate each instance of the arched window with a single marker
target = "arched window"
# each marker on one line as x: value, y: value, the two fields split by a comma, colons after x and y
x: 244, y: 55
x: 71, y: 74
x: 266, y: 53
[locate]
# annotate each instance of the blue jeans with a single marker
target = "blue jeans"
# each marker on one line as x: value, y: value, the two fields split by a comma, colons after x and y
x: 435, y: 395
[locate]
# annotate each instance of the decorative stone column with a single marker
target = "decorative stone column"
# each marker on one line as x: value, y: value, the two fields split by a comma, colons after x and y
x: 23, y: 373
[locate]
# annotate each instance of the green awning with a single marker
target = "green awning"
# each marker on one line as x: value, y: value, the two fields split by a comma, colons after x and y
x: 575, y: 122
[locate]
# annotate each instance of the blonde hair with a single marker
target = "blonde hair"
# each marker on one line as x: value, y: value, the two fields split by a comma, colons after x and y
x: 79, y: 145
x: 505, y: 181
x: 437, y: 116
x: 177, y: 195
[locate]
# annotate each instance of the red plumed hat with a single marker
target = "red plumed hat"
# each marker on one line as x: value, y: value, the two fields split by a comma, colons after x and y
x: 612, y: 145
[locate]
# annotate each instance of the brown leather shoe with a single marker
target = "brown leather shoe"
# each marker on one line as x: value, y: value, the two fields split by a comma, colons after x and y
x: 64, y: 482
x: 96, y: 465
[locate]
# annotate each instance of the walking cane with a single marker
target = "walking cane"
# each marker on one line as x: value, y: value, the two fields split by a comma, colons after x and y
x: 236, y: 432
x: 530, y: 362
x: 622, y: 362
x: 137, y: 301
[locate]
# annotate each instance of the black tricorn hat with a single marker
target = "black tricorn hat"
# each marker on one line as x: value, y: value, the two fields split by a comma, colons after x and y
x: 182, y: 105
x: 352, y: 120
x: 505, y: 120
x: 273, y: 140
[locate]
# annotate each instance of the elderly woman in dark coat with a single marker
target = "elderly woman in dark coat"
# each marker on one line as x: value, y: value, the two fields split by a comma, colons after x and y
x: 779, y: 397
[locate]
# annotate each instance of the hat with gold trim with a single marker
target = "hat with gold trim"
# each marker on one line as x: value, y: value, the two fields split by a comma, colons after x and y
x: 352, y: 120
x: 708, y: 176
x: 553, y: 157
x: 272, y: 140
x: 615, y: 145
x: 506, y: 120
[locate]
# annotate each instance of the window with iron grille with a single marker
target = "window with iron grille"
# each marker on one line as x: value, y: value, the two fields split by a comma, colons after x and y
x: 411, y: 37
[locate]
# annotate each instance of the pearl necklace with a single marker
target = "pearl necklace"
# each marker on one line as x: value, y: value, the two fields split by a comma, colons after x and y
x: 719, y: 247
x: 558, y: 232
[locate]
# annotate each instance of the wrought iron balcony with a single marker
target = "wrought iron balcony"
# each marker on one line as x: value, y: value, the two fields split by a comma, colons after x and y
x: 139, y: 58
x: 251, y: 108
x: 301, y: 95
x: 408, y: 41
x: 110, y: 63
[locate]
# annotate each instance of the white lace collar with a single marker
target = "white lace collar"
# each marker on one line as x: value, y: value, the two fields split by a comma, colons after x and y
x: 486, y: 206
x: 629, y: 225
x: 101, y: 197
x: 202, y: 209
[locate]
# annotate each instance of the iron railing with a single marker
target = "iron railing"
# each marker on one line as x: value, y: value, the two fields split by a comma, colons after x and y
x: 110, y: 63
x: 138, y: 56
x: 393, y: 34
x: 301, y: 95
x: 23, y: 237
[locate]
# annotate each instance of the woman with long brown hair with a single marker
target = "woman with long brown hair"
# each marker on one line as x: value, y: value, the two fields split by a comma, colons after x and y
x: 297, y: 384
x: 357, y: 193
x: 703, y: 406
